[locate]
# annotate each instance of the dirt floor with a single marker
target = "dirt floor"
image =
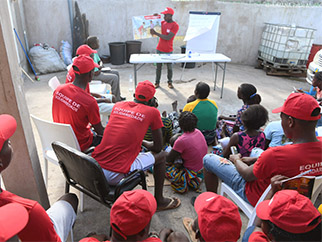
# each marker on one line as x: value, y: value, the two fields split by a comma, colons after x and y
x: 95, y: 216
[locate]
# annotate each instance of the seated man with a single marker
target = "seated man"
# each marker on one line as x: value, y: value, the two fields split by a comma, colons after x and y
x: 119, y: 152
x: 110, y: 77
x: 51, y: 225
x: 299, y: 115
x: 287, y: 216
x: 206, y: 111
x: 105, y: 102
x: 73, y: 105
x: 218, y: 219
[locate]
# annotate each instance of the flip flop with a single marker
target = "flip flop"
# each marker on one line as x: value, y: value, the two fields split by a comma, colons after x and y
x: 174, y: 203
x: 187, y: 223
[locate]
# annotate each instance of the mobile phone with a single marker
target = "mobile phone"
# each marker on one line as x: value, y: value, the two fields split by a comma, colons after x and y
x: 233, y: 150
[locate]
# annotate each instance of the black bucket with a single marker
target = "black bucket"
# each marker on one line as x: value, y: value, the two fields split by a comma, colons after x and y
x: 188, y: 65
x: 132, y: 47
x: 117, y: 52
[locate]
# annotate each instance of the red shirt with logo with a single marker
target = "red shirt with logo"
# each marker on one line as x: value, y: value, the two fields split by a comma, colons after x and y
x: 70, y: 77
x: 39, y: 226
x: 72, y: 105
x: 166, y: 28
x: 124, y: 134
x: 288, y: 160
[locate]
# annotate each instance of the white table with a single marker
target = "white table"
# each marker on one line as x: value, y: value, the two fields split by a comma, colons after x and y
x: 215, y: 58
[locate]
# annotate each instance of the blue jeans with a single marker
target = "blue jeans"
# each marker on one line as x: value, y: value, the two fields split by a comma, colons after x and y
x: 159, y: 67
x: 227, y: 173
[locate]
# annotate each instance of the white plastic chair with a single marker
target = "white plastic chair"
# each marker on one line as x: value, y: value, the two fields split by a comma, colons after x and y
x: 249, y: 210
x: 53, y: 83
x: 50, y: 132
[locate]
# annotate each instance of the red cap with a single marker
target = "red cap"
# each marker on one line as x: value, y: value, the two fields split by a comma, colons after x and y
x: 145, y: 89
x: 290, y: 211
x: 13, y: 218
x: 132, y: 212
x: 218, y: 218
x: 84, y: 64
x: 168, y: 11
x: 85, y: 50
x: 8, y: 126
x: 300, y: 106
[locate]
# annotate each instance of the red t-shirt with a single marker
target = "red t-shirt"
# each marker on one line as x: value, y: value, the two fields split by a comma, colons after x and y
x: 192, y: 148
x: 72, y: 105
x: 258, y: 237
x: 166, y: 28
x: 288, y: 160
x: 39, y: 226
x: 123, y: 135
x: 70, y: 77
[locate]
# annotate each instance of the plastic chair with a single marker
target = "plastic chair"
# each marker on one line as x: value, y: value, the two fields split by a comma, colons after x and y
x: 249, y: 210
x: 86, y: 175
x: 53, y: 83
x: 50, y: 132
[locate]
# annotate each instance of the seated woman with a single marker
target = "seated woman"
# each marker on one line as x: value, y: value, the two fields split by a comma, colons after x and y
x: 248, y: 94
x: 191, y: 146
x: 253, y: 118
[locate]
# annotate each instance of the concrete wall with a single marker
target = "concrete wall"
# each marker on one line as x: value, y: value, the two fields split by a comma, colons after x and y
x: 240, y: 30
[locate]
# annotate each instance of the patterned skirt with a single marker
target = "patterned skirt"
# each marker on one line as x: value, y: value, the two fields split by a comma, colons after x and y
x: 182, y: 178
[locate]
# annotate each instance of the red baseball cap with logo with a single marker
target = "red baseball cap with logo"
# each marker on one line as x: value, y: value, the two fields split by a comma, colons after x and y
x: 290, y: 211
x: 168, y: 11
x: 300, y: 106
x: 84, y: 64
x: 218, y: 218
x: 144, y: 91
x: 13, y: 218
x: 85, y: 50
x: 132, y: 212
x: 8, y: 126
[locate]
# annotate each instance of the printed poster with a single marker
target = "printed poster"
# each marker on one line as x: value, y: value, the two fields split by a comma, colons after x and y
x: 143, y: 24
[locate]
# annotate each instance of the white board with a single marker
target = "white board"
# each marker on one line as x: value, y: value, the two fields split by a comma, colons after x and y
x: 202, y: 33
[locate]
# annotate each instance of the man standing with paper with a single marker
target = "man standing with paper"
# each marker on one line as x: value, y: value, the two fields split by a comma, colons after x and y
x: 169, y: 29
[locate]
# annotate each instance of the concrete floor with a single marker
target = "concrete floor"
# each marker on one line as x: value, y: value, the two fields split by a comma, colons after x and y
x: 95, y: 217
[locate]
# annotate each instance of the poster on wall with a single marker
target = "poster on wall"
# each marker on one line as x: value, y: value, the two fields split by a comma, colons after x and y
x: 202, y: 32
x: 143, y: 24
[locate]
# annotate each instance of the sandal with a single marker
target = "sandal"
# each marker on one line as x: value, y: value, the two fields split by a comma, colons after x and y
x: 187, y: 223
x: 174, y: 203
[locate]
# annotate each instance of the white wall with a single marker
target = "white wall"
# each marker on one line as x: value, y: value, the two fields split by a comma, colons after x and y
x: 240, y: 29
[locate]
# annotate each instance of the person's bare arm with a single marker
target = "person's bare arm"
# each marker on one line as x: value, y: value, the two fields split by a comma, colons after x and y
x: 244, y: 170
x: 162, y: 36
x: 98, y: 128
x: 172, y: 156
x: 156, y: 144
x: 96, y: 73
x: 232, y: 142
x: 267, y: 142
x: 226, y: 118
x: 249, y: 160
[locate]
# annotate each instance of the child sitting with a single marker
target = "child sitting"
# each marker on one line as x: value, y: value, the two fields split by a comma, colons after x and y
x: 253, y: 118
x: 248, y: 94
x: 192, y: 147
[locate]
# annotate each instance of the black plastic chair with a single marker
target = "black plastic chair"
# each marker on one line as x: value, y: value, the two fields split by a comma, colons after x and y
x: 85, y: 174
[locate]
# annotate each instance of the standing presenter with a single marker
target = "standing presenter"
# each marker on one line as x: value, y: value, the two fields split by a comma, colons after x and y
x: 169, y: 29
